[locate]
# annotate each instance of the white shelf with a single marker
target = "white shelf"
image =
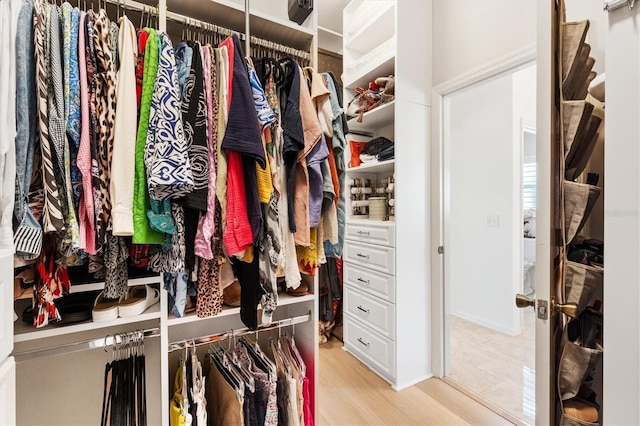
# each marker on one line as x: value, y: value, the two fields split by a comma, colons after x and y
x: 25, y: 332
x: 353, y: 221
x: 382, y: 66
x: 375, y: 22
x: 379, y: 167
x: 230, y: 15
x: 374, y: 119
x: 80, y: 288
x: 283, y: 300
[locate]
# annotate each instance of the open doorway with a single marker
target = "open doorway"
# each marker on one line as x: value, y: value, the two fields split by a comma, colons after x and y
x: 490, y: 187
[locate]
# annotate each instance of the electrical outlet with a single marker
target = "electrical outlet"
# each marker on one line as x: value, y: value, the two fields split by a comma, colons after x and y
x: 493, y: 220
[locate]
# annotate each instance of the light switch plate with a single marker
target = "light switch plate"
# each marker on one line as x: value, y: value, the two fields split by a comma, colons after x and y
x: 493, y: 220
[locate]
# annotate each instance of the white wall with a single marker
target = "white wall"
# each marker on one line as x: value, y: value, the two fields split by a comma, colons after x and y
x: 524, y: 95
x: 481, y: 172
x: 622, y: 221
x: 471, y: 33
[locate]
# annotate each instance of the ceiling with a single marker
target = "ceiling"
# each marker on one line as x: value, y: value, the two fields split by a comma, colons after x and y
x: 330, y: 23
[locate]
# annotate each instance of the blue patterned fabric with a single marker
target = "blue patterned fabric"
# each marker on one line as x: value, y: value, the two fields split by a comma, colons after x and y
x: 266, y: 117
x: 73, y: 107
x: 166, y: 158
x: 184, y: 57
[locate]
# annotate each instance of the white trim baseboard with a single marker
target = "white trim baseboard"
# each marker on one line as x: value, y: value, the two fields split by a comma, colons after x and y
x: 484, y: 322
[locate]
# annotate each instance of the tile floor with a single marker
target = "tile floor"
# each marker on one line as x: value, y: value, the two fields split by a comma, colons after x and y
x: 495, y: 366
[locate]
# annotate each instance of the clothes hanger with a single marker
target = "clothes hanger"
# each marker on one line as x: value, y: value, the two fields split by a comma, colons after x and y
x: 227, y: 372
x: 276, y: 350
x: 141, y: 26
x: 261, y: 361
x: 293, y: 349
x: 245, y: 374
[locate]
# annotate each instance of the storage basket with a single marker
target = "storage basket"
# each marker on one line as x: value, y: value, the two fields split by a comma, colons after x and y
x: 377, y: 208
x: 581, y: 282
x: 579, y: 199
x: 576, y: 362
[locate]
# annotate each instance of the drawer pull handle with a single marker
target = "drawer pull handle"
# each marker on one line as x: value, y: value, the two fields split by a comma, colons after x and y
x: 363, y: 280
x: 364, y: 256
x: 362, y: 342
x: 363, y: 232
x: 366, y: 311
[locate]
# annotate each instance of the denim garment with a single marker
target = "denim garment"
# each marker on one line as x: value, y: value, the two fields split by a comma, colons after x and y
x: 339, y: 142
x: 71, y: 24
x: 27, y: 230
x: 316, y: 157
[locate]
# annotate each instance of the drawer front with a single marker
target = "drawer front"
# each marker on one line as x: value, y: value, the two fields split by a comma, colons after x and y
x: 371, y: 311
x: 372, y: 233
x: 375, y: 283
x: 378, y: 258
x: 374, y: 350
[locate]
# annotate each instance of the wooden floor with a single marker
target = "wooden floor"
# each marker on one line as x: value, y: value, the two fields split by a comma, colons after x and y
x: 350, y: 394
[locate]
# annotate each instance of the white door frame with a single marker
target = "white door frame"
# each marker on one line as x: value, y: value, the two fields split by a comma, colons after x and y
x: 541, y: 52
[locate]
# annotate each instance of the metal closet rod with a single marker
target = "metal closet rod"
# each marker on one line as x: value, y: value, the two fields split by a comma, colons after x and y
x: 185, y: 20
x: 612, y: 5
x: 82, y: 346
x: 230, y: 334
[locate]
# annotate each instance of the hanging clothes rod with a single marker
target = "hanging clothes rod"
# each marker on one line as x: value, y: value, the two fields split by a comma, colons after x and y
x: 612, y: 5
x: 68, y: 348
x: 230, y: 334
x: 134, y: 6
x: 209, y: 27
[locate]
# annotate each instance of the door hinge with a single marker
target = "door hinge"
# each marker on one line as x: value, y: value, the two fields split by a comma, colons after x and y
x: 440, y: 249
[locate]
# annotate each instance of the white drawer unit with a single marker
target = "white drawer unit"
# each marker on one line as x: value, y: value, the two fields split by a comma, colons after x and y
x: 374, y: 350
x: 371, y: 311
x: 376, y: 283
x: 382, y: 233
x: 386, y: 263
x: 378, y: 258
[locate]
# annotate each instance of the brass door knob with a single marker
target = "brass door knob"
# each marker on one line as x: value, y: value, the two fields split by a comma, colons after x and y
x: 569, y: 309
x: 523, y: 301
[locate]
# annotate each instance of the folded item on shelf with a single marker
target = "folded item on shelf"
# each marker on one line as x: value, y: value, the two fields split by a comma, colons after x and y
x: 387, y: 153
x: 377, y: 145
x: 364, y: 158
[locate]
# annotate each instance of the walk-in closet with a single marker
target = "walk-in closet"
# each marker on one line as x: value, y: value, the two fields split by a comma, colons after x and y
x: 299, y: 212
x: 167, y: 284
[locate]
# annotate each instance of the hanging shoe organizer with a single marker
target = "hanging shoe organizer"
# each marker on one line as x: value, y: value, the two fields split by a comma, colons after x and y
x: 581, y: 118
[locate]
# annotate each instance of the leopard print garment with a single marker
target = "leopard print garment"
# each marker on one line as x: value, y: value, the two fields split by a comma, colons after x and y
x: 209, y: 302
x: 105, y: 80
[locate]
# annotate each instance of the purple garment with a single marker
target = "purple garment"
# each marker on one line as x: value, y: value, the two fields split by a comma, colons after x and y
x: 318, y: 154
